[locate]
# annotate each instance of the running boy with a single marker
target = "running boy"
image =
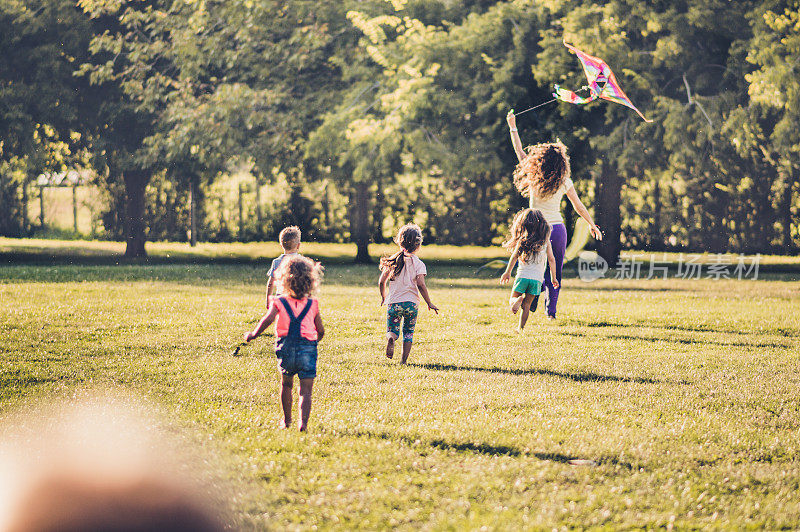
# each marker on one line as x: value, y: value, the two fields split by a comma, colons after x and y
x: 289, y: 239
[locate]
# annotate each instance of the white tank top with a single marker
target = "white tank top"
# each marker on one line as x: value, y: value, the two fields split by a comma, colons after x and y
x: 535, y: 268
x: 551, y: 206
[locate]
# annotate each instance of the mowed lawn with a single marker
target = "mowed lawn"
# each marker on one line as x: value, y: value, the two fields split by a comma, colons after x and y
x: 679, y: 398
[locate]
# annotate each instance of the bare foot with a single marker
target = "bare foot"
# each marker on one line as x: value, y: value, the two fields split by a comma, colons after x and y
x: 390, y: 348
x: 517, y: 303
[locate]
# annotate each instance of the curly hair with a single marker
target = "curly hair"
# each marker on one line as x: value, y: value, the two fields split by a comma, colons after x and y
x: 529, y: 233
x: 409, y: 238
x: 299, y: 276
x: 543, y: 170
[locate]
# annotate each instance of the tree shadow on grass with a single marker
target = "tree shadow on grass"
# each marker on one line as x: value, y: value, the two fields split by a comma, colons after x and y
x: 687, y: 341
x: 583, y: 376
x: 791, y: 333
x: 483, y: 448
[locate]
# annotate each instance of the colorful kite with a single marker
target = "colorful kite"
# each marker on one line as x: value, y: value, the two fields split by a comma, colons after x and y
x: 602, y: 84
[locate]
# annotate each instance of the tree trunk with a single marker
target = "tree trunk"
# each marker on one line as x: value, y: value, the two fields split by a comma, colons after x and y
x: 608, y: 193
x: 377, y: 212
x: 259, y: 216
x: 135, y: 183
x: 193, y: 211
x: 41, y: 206
x: 656, y: 240
x: 359, y: 222
x: 24, y: 227
x: 326, y: 207
x: 241, y: 212
x: 484, y: 220
x: 786, y: 211
x: 75, y: 209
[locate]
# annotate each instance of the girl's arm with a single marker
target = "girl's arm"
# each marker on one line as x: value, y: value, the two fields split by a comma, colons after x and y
x: 512, y: 124
x: 270, y: 288
x: 420, y: 280
x: 551, y: 261
x: 583, y: 212
x: 511, y: 262
x: 319, y: 326
x: 265, y: 322
x: 382, y: 284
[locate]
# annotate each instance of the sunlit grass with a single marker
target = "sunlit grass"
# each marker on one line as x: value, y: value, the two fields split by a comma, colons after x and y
x: 683, y: 393
x: 21, y: 249
x: 251, y: 251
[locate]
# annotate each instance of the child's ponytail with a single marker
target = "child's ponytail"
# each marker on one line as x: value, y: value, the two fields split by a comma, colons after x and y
x: 393, y: 263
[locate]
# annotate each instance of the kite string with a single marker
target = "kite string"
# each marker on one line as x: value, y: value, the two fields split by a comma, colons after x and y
x: 548, y: 101
x: 535, y: 107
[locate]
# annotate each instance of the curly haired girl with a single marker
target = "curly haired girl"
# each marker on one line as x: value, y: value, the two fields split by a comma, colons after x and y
x: 405, y: 275
x: 298, y: 330
x: 529, y: 242
x: 543, y: 174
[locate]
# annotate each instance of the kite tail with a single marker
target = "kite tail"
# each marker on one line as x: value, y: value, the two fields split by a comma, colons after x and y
x: 570, y: 97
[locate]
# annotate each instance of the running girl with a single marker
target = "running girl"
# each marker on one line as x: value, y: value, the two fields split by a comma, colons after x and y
x: 529, y: 243
x: 405, y: 275
x: 298, y: 329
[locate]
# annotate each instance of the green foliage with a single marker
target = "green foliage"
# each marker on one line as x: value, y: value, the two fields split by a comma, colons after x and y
x: 398, y: 109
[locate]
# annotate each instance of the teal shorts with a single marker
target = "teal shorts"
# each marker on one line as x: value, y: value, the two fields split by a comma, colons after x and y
x: 527, y: 286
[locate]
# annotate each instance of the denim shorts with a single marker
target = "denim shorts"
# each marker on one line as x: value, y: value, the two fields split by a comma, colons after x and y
x: 297, y: 358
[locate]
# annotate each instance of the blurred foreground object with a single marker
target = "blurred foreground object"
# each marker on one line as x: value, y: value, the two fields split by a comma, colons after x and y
x: 100, y: 464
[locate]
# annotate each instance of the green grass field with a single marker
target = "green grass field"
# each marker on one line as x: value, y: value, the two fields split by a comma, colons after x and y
x: 683, y: 393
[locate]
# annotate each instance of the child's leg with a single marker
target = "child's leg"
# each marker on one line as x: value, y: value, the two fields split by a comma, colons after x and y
x: 515, y: 301
x: 390, y: 348
x: 558, y: 239
x: 410, y: 312
x: 306, y: 386
x: 394, y: 314
x: 287, y: 381
x: 526, y: 310
x: 406, y: 351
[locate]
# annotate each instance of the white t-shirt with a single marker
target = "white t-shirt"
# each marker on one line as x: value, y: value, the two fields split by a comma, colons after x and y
x: 274, y: 268
x: 535, y: 268
x: 551, y: 206
x: 404, y: 287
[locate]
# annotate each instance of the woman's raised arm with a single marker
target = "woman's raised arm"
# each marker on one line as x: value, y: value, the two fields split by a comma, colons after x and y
x: 512, y: 125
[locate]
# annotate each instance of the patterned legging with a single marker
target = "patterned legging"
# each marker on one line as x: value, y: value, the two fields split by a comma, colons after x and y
x: 405, y: 311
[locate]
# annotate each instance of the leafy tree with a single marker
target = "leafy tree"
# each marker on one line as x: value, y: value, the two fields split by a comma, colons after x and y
x: 41, y: 102
x: 774, y: 49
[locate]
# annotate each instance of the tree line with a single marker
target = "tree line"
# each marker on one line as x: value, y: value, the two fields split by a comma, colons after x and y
x: 369, y: 113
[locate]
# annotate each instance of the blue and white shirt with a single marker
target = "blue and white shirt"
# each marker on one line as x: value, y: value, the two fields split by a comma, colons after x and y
x: 272, y: 269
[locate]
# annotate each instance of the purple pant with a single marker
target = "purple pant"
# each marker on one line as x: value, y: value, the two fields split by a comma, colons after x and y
x: 558, y: 240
